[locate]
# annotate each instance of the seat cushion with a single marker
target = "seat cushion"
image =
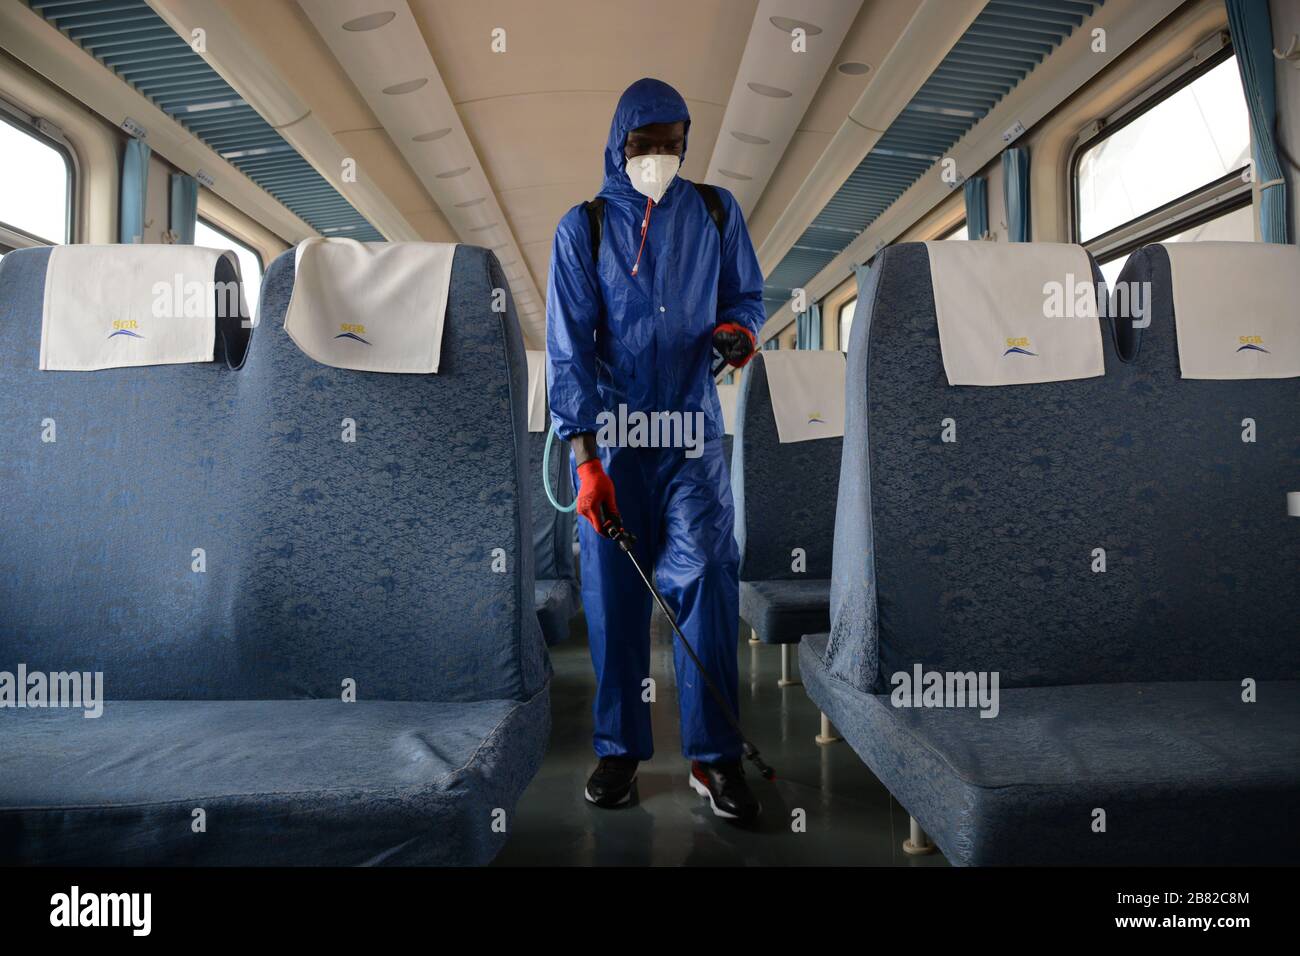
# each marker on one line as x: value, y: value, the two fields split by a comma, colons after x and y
x: 557, y: 601
x: 296, y: 782
x: 1185, y: 771
x: 783, y: 611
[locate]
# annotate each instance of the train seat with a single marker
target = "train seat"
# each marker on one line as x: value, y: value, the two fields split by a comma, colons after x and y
x: 308, y: 590
x: 1110, y: 548
x: 556, y: 588
x: 785, y: 509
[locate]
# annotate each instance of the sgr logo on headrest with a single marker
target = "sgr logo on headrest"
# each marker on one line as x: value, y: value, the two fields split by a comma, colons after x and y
x: 1018, y: 346
x: 1252, y: 343
x: 125, y: 327
x: 353, y: 332
x: 815, y: 418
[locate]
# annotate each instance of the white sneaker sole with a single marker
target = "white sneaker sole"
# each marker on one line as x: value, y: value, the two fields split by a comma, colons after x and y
x: 627, y: 797
x: 703, y: 791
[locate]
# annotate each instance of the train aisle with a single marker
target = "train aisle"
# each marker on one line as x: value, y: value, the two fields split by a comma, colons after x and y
x: 850, y: 819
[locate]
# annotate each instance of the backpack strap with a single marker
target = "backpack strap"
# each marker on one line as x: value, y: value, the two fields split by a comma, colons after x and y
x: 595, y: 210
x: 713, y: 202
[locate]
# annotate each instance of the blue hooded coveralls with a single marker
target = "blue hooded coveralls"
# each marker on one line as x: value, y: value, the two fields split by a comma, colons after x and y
x: 645, y: 341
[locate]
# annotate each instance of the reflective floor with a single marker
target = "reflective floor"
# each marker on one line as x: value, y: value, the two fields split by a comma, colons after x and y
x: 849, y: 819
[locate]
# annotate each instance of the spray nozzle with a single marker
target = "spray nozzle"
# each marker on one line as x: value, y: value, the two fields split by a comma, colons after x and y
x: 611, y: 526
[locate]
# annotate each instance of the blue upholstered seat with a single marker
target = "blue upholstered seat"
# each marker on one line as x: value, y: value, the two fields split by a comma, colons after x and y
x: 785, y: 500
x: 1184, y: 770
x: 556, y: 593
x: 329, y: 565
x: 280, y: 782
x: 786, y: 610
x: 1120, y: 691
x: 556, y: 601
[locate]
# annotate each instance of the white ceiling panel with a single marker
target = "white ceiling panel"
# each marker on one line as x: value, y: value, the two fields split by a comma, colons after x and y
x: 389, y: 63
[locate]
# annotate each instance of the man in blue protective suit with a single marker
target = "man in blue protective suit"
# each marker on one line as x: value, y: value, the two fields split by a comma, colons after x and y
x: 633, y: 319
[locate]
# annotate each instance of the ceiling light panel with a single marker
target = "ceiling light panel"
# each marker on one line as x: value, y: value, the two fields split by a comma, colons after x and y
x: 391, y: 66
x: 791, y: 45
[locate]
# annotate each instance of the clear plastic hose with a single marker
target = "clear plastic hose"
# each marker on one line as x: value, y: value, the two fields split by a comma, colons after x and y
x: 546, y: 474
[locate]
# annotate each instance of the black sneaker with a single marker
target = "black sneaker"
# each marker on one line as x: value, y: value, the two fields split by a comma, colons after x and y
x: 611, y: 783
x: 728, y: 793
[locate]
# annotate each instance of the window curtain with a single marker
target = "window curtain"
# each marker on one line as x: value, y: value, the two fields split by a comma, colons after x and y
x: 977, y: 207
x: 135, y: 182
x: 808, y: 329
x: 1015, y: 192
x: 184, y: 208
x: 771, y: 345
x: 1252, y: 41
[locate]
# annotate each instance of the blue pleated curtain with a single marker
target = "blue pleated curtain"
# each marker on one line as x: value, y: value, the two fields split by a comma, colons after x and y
x: 135, y: 187
x: 184, y: 208
x: 808, y: 329
x: 976, y: 192
x: 1252, y: 41
x: 1015, y: 191
x: 771, y: 345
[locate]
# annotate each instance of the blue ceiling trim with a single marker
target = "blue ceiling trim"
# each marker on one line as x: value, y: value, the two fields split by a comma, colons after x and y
x: 138, y: 45
x: 999, y: 49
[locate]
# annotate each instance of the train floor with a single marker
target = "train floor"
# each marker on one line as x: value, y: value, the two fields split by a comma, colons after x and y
x: 847, y: 819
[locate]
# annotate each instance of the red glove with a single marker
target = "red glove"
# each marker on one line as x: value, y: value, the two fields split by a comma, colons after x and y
x: 594, y: 490
x: 734, y: 342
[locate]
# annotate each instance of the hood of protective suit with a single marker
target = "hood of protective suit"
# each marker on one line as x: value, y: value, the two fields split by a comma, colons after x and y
x: 644, y: 102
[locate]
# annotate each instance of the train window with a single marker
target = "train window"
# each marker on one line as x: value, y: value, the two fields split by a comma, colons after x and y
x: 846, y: 322
x: 35, y: 187
x: 960, y: 233
x: 1189, y: 143
x: 250, y: 262
x: 1238, y: 225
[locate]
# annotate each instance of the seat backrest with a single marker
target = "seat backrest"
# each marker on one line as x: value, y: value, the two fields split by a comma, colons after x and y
x: 552, y: 529
x: 784, y: 493
x: 1209, y: 506
x: 979, y: 554
x: 201, y: 532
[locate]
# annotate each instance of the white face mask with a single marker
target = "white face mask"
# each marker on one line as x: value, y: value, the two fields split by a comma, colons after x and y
x: 651, y: 175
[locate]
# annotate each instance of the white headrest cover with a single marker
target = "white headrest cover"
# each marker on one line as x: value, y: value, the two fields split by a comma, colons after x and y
x: 1015, y: 313
x: 728, y: 396
x: 807, y: 389
x: 371, y: 306
x: 1236, y: 309
x: 536, y: 390
x: 130, y: 305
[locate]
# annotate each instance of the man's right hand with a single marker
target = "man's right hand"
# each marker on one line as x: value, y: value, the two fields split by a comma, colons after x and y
x: 595, y: 489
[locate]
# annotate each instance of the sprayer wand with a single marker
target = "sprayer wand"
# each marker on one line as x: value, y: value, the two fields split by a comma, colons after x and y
x: 611, y: 525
